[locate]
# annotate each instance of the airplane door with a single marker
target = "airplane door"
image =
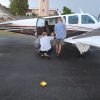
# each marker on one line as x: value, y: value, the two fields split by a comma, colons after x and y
x: 40, y: 25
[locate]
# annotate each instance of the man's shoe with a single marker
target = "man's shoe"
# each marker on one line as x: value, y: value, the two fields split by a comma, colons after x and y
x: 46, y: 55
x: 42, y: 55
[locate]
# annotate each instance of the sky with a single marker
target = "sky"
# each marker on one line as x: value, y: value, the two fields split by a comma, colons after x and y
x: 88, y: 6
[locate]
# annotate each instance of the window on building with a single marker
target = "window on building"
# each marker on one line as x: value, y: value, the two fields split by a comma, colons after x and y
x: 43, y: 10
x: 86, y: 19
x: 73, y: 19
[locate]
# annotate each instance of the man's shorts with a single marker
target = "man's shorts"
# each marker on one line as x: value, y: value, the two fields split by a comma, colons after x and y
x: 59, y: 41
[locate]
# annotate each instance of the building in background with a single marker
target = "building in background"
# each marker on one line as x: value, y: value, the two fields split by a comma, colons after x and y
x: 35, y: 12
x: 43, y: 9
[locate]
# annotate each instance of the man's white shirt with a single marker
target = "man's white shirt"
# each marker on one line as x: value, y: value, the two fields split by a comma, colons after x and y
x: 45, y: 43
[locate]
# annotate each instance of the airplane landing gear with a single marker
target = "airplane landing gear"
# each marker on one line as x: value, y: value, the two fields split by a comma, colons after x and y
x: 83, y: 48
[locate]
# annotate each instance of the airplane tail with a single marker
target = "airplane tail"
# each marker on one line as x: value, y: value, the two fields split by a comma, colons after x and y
x: 58, y: 12
x: 81, y: 10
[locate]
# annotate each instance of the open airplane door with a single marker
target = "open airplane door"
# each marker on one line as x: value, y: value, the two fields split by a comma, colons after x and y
x: 40, y: 26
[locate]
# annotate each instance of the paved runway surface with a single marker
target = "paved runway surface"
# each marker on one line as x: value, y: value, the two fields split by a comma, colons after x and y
x: 69, y: 77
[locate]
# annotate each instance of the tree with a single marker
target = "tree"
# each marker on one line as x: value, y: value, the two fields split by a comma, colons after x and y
x: 34, y: 15
x: 66, y: 10
x: 19, y: 7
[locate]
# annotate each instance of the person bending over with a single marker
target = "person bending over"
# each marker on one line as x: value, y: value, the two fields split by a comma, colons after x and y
x: 45, y: 45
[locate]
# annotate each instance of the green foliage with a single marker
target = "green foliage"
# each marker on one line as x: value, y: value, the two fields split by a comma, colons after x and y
x: 34, y: 15
x: 66, y: 10
x: 19, y: 7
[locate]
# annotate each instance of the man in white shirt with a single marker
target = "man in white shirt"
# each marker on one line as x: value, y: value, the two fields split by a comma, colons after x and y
x: 45, y: 45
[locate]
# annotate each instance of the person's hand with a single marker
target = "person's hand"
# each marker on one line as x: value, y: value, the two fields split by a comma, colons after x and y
x: 52, y: 34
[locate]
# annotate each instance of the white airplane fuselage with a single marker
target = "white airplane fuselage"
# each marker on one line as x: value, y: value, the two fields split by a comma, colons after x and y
x: 79, y: 22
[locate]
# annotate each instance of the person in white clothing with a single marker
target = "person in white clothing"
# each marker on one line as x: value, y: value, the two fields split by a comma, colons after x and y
x: 45, y: 45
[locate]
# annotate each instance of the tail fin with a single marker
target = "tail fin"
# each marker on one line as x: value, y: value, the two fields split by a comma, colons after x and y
x: 80, y: 10
x: 58, y: 12
x: 61, y: 16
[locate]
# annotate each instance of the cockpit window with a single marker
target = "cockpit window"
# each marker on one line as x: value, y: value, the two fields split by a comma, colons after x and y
x: 86, y: 19
x: 73, y: 19
x: 51, y: 21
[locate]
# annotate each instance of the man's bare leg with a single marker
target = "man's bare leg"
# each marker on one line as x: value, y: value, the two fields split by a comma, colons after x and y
x: 59, y: 49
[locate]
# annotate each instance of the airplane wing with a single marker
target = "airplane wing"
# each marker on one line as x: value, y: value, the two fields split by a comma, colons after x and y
x: 92, y: 40
x: 85, y: 40
x: 6, y: 23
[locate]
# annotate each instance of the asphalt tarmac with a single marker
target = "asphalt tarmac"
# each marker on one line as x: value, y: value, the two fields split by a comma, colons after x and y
x: 68, y: 77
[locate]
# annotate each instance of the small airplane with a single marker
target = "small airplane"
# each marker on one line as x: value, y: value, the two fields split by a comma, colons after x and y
x: 77, y: 23
x: 82, y: 28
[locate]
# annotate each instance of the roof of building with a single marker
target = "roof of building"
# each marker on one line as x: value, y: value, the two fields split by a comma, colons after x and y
x: 3, y: 9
